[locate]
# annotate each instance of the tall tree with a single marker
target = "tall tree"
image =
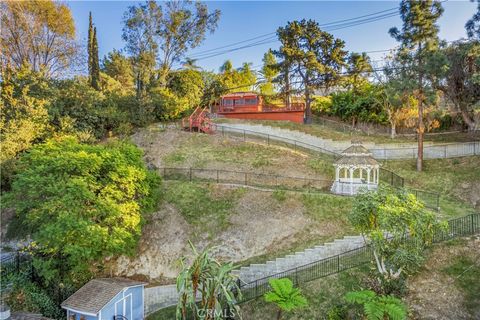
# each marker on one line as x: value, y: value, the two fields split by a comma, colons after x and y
x: 119, y: 67
x: 459, y: 79
x: 183, y: 27
x: 358, y: 68
x: 418, y: 39
x: 190, y: 64
x: 269, y: 72
x: 141, y: 23
x: 38, y: 33
x: 95, y: 75
x: 237, y: 79
x: 315, y: 57
x: 473, y: 25
x: 89, y: 44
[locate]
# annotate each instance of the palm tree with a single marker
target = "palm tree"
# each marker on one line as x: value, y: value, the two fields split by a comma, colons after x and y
x: 206, y: 287
x: 378, y: 307
x: 285, y: 296
x: 190, y: 64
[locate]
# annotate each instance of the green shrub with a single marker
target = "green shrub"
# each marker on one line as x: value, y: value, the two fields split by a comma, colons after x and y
x: 82, y: 203
x: 378, y: 307
x: 26, y: 296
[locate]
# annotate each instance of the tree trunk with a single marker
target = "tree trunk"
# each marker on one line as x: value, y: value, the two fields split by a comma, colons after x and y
x: 288, y: 101
x: 421, y: 130
x: 308, y: 109
x: 393, y: 129
x: 472, y: 125
x: 421, y: 126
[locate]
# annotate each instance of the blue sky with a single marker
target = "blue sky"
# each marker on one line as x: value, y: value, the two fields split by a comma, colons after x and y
x: 241, y: 20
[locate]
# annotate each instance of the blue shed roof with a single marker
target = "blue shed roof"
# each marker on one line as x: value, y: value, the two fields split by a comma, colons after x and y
x: 94, y: 295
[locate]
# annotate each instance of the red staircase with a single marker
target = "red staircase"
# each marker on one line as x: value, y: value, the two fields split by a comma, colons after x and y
x: 198, y: 121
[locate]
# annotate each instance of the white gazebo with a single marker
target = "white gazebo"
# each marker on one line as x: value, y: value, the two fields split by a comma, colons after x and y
x: 355, y: 170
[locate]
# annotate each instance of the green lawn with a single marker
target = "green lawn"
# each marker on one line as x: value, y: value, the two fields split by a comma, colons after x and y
x: 216, y: 152
x: 202, y: 205
x: 457, y: 180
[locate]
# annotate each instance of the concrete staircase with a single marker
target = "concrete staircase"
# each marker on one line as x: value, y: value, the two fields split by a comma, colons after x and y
x: 259, y: 271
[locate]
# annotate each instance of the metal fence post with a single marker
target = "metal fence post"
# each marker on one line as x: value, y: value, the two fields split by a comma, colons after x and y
x: 190, y: 174
x: 217, y: 176
x: 246, y: 181
x: 164, y: 171
x: 268, y: 139
x: 471, y: 220
x: 243, y: 135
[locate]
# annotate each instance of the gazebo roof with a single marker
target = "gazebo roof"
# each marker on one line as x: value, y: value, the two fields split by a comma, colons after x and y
x: 356, y: 155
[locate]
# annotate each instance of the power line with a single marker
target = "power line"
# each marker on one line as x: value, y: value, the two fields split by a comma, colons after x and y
x: 332, y: 26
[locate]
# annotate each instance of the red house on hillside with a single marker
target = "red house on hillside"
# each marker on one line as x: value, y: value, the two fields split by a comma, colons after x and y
x: 250, y: 105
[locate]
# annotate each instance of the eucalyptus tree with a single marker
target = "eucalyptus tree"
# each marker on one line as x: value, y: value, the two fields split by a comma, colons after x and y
x: 206, y: 288
x: 139, y: 33
x: 312, y: 56
x: 40, y: 34
x: 183, y: 26
x: 161, y: 34
x: 418, y: 39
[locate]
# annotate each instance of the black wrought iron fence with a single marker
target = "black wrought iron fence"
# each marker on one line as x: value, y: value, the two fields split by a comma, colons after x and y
x: 15, y: 262
x: 270, y: 139
x: 309, y: 272
x: 246, y: 178
x: 458, y: 227
x: 391, y: 178
x: 430, y: 199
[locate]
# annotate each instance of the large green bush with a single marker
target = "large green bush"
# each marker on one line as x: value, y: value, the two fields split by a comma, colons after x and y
x: 359, y: 105
x: 81, y: 203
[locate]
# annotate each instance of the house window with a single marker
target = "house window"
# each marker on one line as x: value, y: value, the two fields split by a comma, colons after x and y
x: 72, y: 316
x: 228, y: 102
x: 82, y: 318
x: 239, y: 102
x: 251, y: 101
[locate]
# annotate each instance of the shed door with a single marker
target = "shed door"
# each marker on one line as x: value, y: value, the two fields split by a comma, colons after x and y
x: 123, y: 307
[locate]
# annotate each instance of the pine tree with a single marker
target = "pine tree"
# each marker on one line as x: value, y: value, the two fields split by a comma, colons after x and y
x: 95, y: 75
x: 473, y: 25
x: 89, y: 44
x: 418, y: 38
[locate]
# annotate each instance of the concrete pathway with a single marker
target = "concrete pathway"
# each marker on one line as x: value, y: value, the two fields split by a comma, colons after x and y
x: 379, y: 151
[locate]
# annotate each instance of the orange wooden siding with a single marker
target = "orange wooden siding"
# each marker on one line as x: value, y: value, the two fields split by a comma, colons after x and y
x: 294, y: 116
